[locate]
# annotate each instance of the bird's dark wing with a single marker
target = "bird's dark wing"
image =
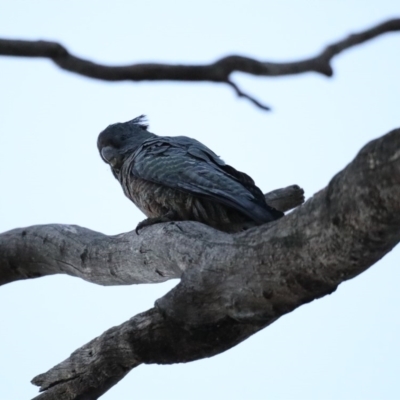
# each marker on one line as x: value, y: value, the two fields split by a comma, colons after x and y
x: 185, y: 164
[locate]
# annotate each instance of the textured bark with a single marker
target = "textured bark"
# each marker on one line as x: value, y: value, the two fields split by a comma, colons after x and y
x: 234, y: 285
x: 218, y: 71
x: 108, y: 260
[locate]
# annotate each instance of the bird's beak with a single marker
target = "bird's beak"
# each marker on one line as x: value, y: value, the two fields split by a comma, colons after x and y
x: 109, y: 155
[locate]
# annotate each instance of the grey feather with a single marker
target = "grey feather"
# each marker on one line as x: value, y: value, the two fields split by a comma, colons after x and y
x: 186, y: 164
x: 180, y: 177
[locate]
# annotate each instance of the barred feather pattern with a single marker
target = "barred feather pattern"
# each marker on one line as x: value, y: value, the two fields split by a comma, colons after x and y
x: 155, y: 200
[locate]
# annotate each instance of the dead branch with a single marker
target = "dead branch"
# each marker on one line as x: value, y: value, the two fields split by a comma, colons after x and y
x: 218, y: 71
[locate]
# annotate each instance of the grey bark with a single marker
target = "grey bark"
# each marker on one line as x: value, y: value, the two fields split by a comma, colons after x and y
x: 218, y: 71
x: 235, y: 285
x: 122, y: 259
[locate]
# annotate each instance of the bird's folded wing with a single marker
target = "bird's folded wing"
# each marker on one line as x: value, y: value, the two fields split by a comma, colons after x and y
x: 190, y: 169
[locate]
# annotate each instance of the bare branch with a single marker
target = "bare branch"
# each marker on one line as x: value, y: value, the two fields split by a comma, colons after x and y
x: 244, y: 282
x: 123, y: 259
x: 218, y: 71
x: 240, y: 93
x: 286, y: 198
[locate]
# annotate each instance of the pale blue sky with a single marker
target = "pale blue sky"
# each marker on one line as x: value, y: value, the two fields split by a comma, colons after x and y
x: 344, y: 346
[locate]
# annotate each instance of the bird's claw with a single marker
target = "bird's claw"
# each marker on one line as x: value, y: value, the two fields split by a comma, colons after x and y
x: 152, y: 221
x: 143, y: 224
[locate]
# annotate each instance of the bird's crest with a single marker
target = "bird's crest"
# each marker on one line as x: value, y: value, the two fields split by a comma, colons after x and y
x: 141, y: 120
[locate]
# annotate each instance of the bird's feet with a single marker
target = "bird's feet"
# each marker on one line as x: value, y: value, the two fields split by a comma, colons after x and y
x: 169, y: 217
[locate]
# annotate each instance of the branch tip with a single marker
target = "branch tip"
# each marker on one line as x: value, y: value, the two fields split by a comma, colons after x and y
x: 240, y: 93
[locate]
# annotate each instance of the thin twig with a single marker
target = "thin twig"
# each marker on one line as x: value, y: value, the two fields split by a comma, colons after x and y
x: 247, y: 96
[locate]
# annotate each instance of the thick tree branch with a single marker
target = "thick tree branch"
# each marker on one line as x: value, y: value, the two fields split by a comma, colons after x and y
x: 240, y: 283
x: 218, y: 71
x: 106, y: 260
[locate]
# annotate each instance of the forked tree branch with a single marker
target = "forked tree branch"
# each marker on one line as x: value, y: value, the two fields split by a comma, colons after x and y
x: 235, y: 285
x: 218, y: 71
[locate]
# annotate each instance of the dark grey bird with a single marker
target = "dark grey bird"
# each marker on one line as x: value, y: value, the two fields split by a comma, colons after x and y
x: 178, y: 178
